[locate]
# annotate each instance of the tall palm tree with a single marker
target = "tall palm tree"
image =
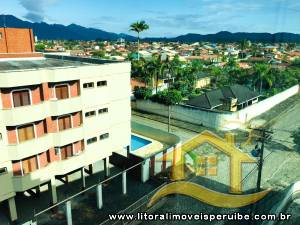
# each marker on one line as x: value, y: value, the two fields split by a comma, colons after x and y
x: 262, y: 74
x: 139, y: 27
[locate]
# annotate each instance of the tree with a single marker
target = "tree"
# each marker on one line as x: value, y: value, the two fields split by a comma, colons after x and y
x: 40, y: 47
x: 262, y: 75
x: 154, y: 70
x: 296, y: 136
x: 167, y: 97
x: 98, y: 54
x: 296, y: 62
x: 139, y: 27
x: 142, y: 93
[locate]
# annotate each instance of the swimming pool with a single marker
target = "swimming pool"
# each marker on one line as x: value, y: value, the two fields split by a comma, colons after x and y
x: 138, y: 142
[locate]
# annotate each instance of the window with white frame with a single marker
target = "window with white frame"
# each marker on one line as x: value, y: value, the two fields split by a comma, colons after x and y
x: 25, y: 132
x: 21, y: 97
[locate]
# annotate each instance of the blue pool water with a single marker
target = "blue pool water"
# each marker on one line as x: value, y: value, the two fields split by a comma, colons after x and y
x: 138, y: 142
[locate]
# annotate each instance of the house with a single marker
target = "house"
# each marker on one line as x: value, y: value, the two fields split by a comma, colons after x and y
x: 59, y: 114
x: 203, y: 80
x: 210, y: 58
x: 230, y: 98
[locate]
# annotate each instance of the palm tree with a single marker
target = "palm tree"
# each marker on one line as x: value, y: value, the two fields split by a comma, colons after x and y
x: 139, y: 27
x: 262, y: 74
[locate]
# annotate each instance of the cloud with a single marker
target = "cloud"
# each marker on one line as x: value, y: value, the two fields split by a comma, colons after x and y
x: 36, y: 9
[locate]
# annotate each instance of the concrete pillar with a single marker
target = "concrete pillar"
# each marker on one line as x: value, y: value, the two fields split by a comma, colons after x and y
x: 106, y: 167
x: 12, y: 209
x: 99, y: 196
x: 124, y: 183
x: 83, y: 178
x: 52, y: 189
x: 145, y: 171
x: 69, y: 213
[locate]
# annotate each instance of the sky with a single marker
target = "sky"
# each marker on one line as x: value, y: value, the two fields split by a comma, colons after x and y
x: 166, y: 18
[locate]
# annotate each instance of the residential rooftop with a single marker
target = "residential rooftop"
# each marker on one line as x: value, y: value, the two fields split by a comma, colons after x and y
x: 49, y: 62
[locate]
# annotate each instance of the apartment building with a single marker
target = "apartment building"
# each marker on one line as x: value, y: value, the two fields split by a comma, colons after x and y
x: 58, y: 115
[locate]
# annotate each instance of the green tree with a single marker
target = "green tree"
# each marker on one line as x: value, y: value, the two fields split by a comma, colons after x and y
x: 142, y: 93
x: 154, y: 69
x: 167, y: 97
x: 98, y: 54
x: 40, y: 47
x: 261, y: 72
x: 138, y: 71
x: 296, y: 137
x: 296, y: 62
x: 139, y: 27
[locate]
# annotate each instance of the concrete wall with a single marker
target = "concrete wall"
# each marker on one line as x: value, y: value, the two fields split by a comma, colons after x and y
x: 216, y: 119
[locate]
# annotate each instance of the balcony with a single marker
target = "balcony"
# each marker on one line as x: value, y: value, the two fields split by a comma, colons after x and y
x: 67, y: 136
x: 42, y: 144
x: 29, y: 113
x: 30, y: 147
x: 64, y: 106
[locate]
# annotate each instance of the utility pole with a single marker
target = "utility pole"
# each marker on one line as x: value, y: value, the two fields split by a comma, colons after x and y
x: 265, y: 136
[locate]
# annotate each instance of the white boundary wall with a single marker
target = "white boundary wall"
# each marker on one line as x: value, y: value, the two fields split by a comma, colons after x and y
x: 214, y: 119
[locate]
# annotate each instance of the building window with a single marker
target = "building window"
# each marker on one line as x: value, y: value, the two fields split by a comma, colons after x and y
x: 91, y: 113
x: 91, y: 140
x: 104, y: 110
x: 1, y: 35
x: 25, y: 132
x: 64, y: 122
x: 66, y: 151
x: 3, y: 171
x: 88, y: 85
x: 61, y: 91
x: 104, y: 136
x: 102, y: 83
x: 21, y: 98
x: 29, y: 165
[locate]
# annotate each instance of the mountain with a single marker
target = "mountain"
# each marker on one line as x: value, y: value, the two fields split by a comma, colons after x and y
x: 225, y: 36
x: 75, y: 32
x: 60, y: 32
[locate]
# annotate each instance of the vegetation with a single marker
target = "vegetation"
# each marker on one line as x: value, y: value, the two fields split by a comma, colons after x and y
x: 139, y: 27
x: 167, y: 97
x: 40, y: 47
x: 182, y: 77
x: 296, y: 136
x: 142, y: 93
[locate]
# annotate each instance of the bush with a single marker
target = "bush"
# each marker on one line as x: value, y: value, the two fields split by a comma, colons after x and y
x: 171, y: 97
x: 142, y: 93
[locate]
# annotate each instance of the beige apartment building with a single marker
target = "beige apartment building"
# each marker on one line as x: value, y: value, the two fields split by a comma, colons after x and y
x: 58, y: 115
